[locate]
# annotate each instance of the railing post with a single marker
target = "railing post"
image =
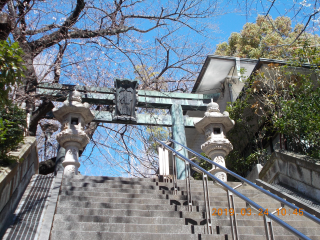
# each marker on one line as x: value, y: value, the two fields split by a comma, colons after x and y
x: 268, y: 227
x: 174, y: 174
x: 249, y: 202
x: 233, y: 219
x: 188, y: 185
x: 207, y: 203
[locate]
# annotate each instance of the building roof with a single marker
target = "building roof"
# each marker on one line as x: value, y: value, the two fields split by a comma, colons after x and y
x: 217, y: 68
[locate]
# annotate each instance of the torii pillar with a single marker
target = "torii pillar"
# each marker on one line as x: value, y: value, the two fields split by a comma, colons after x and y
x: 179, y: 135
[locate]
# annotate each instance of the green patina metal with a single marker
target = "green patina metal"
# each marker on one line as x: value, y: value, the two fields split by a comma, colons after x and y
x: 143, y: 102
x: 64, y: 87
x: 144, y: 119
x: 175, y: 102
x: 179, y: 135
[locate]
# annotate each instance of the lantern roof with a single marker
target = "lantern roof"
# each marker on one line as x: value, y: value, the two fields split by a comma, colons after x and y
x: 74, y: 105
x: 213, y: 115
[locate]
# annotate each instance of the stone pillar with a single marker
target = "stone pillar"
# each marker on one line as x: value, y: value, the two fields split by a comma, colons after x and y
x: 60, y: 158
x: 71, y: 161
x: 73, y: 116
x: 215, y: 126
x: 179, y: 135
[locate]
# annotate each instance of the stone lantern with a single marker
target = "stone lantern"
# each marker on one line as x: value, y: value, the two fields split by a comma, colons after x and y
x: 73, y: 116
x: 215, y: 126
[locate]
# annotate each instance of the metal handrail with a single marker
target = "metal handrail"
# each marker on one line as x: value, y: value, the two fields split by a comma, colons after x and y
x: 310, y: 216
x: 247, y: 200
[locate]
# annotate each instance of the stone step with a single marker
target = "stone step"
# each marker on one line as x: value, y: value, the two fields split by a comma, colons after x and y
x: 260, y: 230
x: 199, y: 184
x: 249, y: 222
x: 148, y: 181
x: 114, y: 200
x: 147, y: 213
x: 117, y: 190
x: 113, y: 205
x: 154, y: 195
x: 163, y: 199
x: 125, y: 227
x: 148, y: 191
x: 110, y: 185
x: 125, y: 208
x: 177, y: 229
x: 281, y: 237
x: 118, y: 219
x: 67, y: 235
x: 104, y: 178
x: 137, y: 184
x: 129, y: 212
x: 173, y: 229
x: 255, y: 215
x: 193, y: 218
x: 100, y: 206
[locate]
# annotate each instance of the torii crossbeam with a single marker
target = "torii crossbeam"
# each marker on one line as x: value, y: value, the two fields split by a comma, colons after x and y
x: 175, y: 102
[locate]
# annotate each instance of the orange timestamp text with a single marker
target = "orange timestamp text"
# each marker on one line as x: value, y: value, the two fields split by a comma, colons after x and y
x: 261, y: 212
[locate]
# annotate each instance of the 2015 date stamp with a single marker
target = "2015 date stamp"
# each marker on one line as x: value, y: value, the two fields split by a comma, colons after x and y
x: 261, y: 212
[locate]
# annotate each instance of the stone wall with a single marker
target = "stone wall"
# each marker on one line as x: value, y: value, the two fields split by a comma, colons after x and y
x: 294, y: 170
x: 15, y: 178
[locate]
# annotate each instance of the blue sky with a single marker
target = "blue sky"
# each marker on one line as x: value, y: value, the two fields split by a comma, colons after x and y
x: 231, y: 22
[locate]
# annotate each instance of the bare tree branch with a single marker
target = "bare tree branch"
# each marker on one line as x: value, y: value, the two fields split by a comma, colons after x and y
x: 57, y: 63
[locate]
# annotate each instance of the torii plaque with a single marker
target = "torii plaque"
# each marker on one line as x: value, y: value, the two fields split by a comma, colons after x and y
x: 125, y: 100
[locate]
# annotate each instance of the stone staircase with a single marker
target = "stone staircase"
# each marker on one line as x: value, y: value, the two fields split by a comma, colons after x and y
x: 100, y: 208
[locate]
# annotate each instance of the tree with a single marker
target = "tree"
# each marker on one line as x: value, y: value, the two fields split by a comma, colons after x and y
x: 82, y: 34
x: 280, y: 99
x: 90, y: 43
x: 11, y: 69
x: 12, y: 118
x: 267, y: 38
x: 12, y: 127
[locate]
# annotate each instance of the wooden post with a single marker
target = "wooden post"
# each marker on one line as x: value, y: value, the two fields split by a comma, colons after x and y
x: 179, y: 135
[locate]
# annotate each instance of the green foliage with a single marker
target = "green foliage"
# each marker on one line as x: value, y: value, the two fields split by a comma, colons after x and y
x: 299, y: 117
x: 161, y: 133
x: 12, y: 124
x: 12, y: 118
x: 263, y: 38
x: 149, y: 79
x: 204, y: 164
x: 11, y: 68
x: 281, y: 99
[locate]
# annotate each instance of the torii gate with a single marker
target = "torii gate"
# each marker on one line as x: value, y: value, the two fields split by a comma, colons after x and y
x: 175, y: 102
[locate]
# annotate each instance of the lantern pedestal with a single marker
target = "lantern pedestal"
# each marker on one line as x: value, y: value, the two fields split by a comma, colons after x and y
x: 215, y: 125
x: 73, y: 115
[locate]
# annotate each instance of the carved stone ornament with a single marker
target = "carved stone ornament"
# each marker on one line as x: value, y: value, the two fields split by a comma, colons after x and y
x: 215, y: 125
x: 125, y: 100
x: 70, y: 170
x: 207, y: 132
x: 217, y: 144
x: 73, y: 116
x: 219, y: 160
x: 69, y: 136
x: 73, y: 105
x: 222, y: 176
x: 213, y: 116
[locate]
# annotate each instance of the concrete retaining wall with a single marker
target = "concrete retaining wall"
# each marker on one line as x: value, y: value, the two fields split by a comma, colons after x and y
x: 15, y: 179
x: 294, y: 170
